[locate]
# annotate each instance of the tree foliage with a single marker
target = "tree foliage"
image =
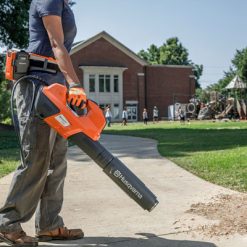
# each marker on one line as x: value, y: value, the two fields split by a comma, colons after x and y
x: 14, y: 23
x: 238, y: 67
x: 13, y: 33
x: 203, y: 95
x: 5, y: 115
x: 198, y: 70
x: 222, y: 83
x: 172, y: 52
x: 240, y: 63
x: 4, y: 97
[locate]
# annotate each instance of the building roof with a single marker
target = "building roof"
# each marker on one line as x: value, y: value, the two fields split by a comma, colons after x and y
x: 171, y: 66
x: 82, y: 44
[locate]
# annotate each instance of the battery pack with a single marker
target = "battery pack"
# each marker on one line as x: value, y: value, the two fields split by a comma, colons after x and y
x: 17, y: 64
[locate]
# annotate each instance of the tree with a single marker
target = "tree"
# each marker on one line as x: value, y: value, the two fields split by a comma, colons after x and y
x: 4, y: 97
x: 240, y: 63
x: 13, y: 33
x: 14, y: 23
x: 172, y: 52
x: 198, y: 70
x: 222, y: 83
x: 152, y: 55
x: 203, y: 95
x: 238, y: 67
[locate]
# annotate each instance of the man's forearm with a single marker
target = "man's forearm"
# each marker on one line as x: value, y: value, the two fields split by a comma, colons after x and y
x: 65, y: 64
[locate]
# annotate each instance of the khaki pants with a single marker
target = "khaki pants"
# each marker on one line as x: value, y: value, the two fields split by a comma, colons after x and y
x: 38, y: 181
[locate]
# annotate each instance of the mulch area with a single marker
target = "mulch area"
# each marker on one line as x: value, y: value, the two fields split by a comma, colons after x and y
x: 230, y: 212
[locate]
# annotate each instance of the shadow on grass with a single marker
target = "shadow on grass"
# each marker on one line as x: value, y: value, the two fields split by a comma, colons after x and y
x: 171, y: 142
x: 8, y: 139
x: 9, y: 152
x: 178, y: 142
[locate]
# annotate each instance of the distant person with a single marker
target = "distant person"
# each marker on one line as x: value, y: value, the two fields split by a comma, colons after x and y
x: 155, y: 114
x: 145, y: 116
x: 108, y: 116
x: 181, y: 115
x: 124, y: 116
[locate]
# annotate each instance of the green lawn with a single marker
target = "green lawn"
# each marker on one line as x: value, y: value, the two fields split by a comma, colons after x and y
x: 9, y: 154
x: 216, y: 151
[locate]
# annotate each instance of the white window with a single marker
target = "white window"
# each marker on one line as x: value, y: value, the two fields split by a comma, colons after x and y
x: 107, y: 83
x: 104, y: 83
x: 116, y: 83
x: 101, y: 83
x: 91, y: 83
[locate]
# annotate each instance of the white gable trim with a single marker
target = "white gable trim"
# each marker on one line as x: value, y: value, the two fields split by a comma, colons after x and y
x: 111, y: 40
x: 102, y: 69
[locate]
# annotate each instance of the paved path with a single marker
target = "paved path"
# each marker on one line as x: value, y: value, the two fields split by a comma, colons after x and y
x: 110, y: 219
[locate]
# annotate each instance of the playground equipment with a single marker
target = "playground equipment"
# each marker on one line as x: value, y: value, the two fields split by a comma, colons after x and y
x: 188, y: 110
x: 243, y: 103
x: 220, y: 106
x: 232, y: 109
x: 238, y: 87
x: 229, y: 107
x: 207, y: 112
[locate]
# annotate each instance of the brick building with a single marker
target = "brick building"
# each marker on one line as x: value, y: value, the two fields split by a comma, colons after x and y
x: 114, y: 75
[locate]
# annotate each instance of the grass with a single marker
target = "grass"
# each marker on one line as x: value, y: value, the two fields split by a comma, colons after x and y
x: 216, y: 152
x: 9, y: 152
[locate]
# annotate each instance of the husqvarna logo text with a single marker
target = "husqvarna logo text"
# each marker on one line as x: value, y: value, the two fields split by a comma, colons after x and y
x: 120, y: 176
x: 117, y: 173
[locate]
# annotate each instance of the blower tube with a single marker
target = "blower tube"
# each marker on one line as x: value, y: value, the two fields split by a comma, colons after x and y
x: 117, y: 171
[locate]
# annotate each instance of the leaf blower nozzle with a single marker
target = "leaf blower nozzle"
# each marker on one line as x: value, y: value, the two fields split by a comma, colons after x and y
x: 117, y: 171
x: 84, y: 131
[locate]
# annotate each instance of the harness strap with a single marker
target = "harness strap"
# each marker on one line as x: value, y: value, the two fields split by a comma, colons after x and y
x: 43, y: 66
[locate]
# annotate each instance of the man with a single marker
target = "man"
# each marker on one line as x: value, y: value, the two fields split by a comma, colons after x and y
x: 52, y: 30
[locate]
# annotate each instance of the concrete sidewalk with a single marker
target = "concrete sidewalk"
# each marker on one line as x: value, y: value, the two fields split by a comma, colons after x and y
x: 109, y: 218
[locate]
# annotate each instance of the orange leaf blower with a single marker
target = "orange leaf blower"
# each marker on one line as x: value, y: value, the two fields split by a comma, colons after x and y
x: 84, y: 131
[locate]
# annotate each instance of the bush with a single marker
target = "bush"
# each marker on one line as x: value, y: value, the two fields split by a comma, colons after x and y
x: 5, y: 94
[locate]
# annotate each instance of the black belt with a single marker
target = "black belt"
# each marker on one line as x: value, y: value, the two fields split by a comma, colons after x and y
x: 44, y: 66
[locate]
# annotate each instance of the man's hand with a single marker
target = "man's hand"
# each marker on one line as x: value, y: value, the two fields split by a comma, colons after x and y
x: 76, y: 95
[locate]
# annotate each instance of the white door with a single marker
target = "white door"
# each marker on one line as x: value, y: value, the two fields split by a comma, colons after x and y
x: 132, y: 113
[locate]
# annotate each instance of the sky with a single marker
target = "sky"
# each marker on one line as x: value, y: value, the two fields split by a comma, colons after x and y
x: 211, y: 30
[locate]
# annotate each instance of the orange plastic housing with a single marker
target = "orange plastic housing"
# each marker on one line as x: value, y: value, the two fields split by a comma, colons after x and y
x: 67, y: 122
x: 9, y: 70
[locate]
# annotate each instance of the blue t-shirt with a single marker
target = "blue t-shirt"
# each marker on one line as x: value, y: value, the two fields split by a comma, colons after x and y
x: 39, y: 42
